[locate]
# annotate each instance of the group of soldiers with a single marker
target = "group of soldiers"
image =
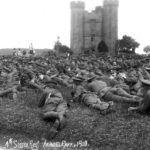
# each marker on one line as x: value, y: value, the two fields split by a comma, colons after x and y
x: 97, y: 82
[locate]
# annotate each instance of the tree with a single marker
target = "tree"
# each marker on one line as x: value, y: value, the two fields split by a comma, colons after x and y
x: 64, y: 49
x: 127, y: 44
x: 147, y: 49
x: 60, y: 48
x: 57, y: 46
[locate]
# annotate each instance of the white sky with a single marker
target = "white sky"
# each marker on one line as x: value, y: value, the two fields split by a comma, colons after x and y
x: 40, y: 22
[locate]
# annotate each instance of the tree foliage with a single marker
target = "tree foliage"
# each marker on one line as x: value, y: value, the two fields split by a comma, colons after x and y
x: 147, y: 49
x: 60, y: 48
x: 64, y: 49
x: 127, y: 44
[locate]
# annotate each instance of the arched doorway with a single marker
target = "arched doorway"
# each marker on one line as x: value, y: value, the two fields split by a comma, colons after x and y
x: 102, y: 47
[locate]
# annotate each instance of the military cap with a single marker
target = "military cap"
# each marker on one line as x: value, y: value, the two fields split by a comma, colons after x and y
x: 145, y: 82
x: 81, y: 66
x: 99, y: 72
x: 78, y: 79
x: 90, y: 79
x: 51, y: 82
x: 147, y: 68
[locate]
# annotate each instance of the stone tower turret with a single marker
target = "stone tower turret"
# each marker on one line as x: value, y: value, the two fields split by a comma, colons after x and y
x: 77, y: 26
x: 110, y: 24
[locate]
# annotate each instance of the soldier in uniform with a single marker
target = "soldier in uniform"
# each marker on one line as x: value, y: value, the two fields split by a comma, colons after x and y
x: 80, y: 94
x: 53, y: 106
x: 109, y: 93
x: 9, y: 84
x: 7, y: 91
x: 143, y: 91
x: 25, y: 75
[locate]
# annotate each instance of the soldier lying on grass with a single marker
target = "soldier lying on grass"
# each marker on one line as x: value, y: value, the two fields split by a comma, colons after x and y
x: 53, y: 106
x: 108, y: 93
x: 90, y: 99
x: 13, y: 91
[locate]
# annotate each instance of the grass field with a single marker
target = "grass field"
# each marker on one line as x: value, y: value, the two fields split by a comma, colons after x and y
x: 119, y: 130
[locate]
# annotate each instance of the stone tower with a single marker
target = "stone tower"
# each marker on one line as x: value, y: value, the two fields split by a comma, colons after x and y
x: 90, y: 29
x: 77, y: 26
x: 110, y: 24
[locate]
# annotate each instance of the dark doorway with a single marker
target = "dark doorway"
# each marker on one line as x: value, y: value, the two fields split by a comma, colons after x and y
x: 102, y: 47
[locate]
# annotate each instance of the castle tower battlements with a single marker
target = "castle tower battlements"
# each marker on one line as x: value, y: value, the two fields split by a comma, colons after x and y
x: 110, y: 3
x: 78, y: 4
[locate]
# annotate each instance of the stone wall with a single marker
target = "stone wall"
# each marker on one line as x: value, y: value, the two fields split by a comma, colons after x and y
x: 77, y: 19
x: 92, y: 29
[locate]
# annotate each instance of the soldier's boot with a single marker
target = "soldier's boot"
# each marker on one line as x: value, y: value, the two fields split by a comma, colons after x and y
x: 54, y: 130
x: 15, y: 93
x: 101, y: 106
x: 111, y: 103
x: 15, y: 97
x: 110, y: 108
x: 138, y: 99
x: 132, y: 108
x: 62, y: 120
x: 56, y: 124
x: 50, y: 115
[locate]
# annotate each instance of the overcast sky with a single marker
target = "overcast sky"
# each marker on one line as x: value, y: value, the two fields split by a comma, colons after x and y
x: 40, y: 21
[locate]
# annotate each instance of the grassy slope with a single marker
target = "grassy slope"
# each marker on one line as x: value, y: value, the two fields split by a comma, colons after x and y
x: 120, y: 130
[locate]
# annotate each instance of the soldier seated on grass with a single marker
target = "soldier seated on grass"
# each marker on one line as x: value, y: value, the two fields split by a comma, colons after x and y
x: 9, y: 84
x: 25, y: 75
x: 143, y: 91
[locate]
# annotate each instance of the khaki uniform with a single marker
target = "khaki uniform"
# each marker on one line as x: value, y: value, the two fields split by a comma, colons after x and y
x: 53, y: 106
x: 144, y: 92
x: 90, y: 99
x: 26, y: 75
x: 110, y: 93
x: 54, y: 102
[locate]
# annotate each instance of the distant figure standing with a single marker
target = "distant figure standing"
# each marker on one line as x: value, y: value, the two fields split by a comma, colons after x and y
x: 31, y: 49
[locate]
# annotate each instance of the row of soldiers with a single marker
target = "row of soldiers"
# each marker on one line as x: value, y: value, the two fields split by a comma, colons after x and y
x: 87, y: 78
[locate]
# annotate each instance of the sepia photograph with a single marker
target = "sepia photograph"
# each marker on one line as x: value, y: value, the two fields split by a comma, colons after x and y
x: 74, y: 75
